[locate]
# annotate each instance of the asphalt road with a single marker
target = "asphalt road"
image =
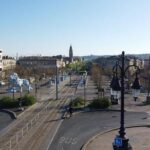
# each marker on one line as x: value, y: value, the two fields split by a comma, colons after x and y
x: 5, y: 120
x: 75, y: 131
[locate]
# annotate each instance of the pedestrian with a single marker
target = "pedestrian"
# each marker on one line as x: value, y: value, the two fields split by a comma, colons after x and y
x: 70, y: 111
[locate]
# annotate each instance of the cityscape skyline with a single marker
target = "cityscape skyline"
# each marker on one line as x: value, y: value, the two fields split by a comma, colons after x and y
x: 91, y: 27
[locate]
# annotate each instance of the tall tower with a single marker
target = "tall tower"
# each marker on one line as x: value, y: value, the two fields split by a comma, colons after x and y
x: 1, y: 58
x: 70, y: 54
x: 1, y: 63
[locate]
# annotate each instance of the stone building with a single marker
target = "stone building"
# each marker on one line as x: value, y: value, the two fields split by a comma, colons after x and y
x: 9, y: 64
x: 138, y: 62
x: 41, y: 62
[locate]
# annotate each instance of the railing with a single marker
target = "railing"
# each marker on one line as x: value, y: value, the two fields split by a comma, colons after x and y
x: 14, y: 140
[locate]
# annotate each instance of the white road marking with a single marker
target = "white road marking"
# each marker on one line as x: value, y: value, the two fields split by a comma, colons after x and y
x: 68, y: 140
x: 54, y: 135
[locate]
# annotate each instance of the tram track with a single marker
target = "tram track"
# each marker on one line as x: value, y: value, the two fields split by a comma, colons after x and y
x: 17, y: 125
x: 46, y: 126
x: 53, y: 106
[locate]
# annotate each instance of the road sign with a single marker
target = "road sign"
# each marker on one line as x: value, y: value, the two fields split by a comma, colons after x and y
x: 118, y: 141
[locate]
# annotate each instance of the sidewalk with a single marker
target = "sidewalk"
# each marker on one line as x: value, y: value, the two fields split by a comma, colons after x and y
x: 138, y: 137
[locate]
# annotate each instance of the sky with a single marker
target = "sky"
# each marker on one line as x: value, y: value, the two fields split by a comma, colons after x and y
x: 97, y: 27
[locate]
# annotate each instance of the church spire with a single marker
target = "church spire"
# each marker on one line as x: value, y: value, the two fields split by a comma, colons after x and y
x: 71, y: 54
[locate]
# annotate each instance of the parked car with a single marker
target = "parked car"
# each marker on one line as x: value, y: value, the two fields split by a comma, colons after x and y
x: 2, y: 83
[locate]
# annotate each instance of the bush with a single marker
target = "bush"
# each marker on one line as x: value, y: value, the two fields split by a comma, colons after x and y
x: 100, y: 103
x: 28, y: 100
x: 77, y: 102
x: 8, y: 102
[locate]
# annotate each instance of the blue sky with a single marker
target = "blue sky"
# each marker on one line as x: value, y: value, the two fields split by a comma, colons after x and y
x: 98, y: 27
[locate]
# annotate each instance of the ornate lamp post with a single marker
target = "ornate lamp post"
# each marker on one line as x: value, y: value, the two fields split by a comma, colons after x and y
x: 120, y: 141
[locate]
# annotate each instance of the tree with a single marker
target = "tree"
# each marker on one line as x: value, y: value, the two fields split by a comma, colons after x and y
x: 97, y: 77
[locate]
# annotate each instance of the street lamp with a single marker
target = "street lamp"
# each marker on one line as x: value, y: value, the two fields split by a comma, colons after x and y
x: 20, y: 100
x: 70, y: 73
x: 148, y: 92
x: 120, y: 141
x: 115, y: 88
x: 56, y: 82
x: 36, y: 89
x: 84, y: 83
x: 13, y: 89
x: 136, y: 88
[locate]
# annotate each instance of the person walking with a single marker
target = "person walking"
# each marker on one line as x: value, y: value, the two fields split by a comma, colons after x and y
x: 70, y: 111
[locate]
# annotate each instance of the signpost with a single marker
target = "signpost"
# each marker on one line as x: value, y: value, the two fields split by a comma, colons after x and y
x: 118, y: 142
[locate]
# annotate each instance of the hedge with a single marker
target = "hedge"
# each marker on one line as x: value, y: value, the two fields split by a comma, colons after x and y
x: 77, y: 102
x: 28, y: 100
x: 100, y: 103
x: 8, y: 102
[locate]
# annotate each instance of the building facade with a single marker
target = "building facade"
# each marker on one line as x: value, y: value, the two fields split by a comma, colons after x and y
x: 41, y: 62
x: 137, y: 62
x: 7, y: 64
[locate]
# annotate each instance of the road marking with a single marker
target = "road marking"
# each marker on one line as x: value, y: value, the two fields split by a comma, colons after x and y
x: 54, y: 135
x: 68, y: 140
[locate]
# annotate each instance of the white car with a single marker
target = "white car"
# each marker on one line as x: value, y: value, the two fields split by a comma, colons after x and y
x: 2, y: 83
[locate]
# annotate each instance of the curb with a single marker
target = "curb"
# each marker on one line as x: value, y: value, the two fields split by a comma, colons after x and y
x: 102, y: 133
x: 64, y: 115
x: 11, y: 113
x: 27, y: 109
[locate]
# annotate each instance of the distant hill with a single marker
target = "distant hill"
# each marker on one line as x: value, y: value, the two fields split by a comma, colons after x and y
x: 141, y: 56
x: 93, y: 57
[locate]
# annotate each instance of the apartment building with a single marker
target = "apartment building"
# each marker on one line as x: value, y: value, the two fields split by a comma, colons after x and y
x: 7, y: 64
x: 137, y: 62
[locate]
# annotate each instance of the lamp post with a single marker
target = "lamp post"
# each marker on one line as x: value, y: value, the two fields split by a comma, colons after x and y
x: 36, y: 89
x: 120, y: 141
x: 56, y: 82
x: 70, y: 77
x: 148, y: 92
x: 84, y: 83
x: 13, y: 89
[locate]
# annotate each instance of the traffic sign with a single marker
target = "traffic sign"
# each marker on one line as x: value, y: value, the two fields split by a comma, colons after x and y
x: 118, y: 141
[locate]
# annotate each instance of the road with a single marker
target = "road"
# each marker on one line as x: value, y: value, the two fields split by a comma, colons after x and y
x: 33, y: 127
x: 75, y: 131
x: 5, y: 119
x: 37, y: 127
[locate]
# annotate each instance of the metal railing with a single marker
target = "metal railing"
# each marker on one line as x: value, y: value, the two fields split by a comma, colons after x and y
x: 14, y: 140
